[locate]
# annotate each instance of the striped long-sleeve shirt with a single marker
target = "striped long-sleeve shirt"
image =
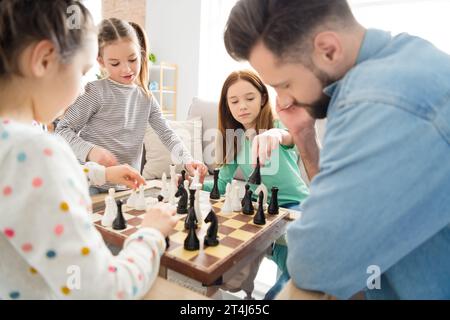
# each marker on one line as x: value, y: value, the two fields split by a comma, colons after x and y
x: 115, y: 116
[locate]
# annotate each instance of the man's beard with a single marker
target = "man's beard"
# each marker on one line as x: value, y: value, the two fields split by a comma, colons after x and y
x: 319, y: 108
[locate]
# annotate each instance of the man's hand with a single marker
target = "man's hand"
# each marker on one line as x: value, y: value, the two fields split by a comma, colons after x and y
x: 102, y: 157
x: 295, y: 119
x: 302, y: 128
x: 125, y: 175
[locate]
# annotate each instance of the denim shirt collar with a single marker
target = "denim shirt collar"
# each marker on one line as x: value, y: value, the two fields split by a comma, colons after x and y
x: 374, y: 41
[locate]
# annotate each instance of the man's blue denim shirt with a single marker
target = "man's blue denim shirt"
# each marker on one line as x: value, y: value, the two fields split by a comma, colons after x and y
x: 382, y: 198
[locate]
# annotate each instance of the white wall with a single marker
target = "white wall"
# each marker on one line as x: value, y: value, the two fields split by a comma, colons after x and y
x: 173, y: 27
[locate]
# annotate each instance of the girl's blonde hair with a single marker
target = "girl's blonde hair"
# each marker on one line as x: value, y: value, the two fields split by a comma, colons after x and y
x: 112, y: 30
x: 264, y: 121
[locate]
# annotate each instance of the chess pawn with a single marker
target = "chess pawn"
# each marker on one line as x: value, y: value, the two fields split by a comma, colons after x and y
x: 215, y: 194
x: 260, y: 218
x: 235, y: 200
x: 191, y: 243
x: 164, y: 187
x: 227, y: 208
x: 119, y: 223
x: 273, y: 206
x: 110, y: 209
x: 140, y: 202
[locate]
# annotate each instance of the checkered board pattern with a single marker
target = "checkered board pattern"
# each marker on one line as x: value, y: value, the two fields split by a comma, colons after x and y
x: 236, y: 232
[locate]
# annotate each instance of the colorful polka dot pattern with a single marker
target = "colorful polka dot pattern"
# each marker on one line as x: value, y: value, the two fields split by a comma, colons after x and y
x: 56, y: 228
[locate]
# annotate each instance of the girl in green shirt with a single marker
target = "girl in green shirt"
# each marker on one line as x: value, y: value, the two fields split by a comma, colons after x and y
x: 247, y: 131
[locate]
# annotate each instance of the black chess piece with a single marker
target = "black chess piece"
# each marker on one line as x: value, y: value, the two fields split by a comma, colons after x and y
x: 191, y: 243
x: 211, y: 234
x: 191, y: 211
x: 160, y: 198
x: 182, y: 207
x: 119, y: 222
x: 183, y: 177
x: 255, y: 178
x: 247, y: 203
x: 215, y: 194
x: 260, y: 218
x: 273, y: 206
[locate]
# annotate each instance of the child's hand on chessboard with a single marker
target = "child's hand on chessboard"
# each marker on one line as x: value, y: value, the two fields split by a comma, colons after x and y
x: 161, y: 217
x: 124, y: 175
x: 102, y: 157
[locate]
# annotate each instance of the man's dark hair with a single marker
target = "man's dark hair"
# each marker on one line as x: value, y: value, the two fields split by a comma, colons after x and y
x: 284, y: 26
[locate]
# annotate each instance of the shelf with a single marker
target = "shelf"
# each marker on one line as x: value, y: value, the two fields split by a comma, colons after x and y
x: 164, y: 91
x: 165, y: 67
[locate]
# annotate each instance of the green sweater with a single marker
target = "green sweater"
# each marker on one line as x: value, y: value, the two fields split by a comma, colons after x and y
x: 281, y: 171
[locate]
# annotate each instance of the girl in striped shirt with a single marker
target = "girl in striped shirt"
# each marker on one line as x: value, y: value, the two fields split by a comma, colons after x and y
x: 107, y: 123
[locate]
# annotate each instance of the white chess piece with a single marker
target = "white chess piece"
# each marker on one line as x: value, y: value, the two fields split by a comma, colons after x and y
x: 140, y: 202
x: 262, y: 187
x: 197, y: 207
x: 131, y: 202
x: 196, y: 180
x: 110, y: 209
x: 164, y: 188
x: 235, y: 200
x: 227, y: 208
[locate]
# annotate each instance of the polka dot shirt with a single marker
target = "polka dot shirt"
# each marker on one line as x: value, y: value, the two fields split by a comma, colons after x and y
x: 48, y: 246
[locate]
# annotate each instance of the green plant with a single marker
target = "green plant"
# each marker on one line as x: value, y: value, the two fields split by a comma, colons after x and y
x: 152, y: 57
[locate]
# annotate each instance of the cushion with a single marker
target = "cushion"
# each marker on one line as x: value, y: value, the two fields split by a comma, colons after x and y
x: 207, y: 111
x: 157, y: 156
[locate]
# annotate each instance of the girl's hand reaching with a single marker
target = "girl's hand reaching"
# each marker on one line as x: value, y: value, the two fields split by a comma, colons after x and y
x: 264, y: 144
x: 197, y: 165
x: 125, y: 175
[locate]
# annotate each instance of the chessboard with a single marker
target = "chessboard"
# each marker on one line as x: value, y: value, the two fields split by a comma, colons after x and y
x: 239, y: 238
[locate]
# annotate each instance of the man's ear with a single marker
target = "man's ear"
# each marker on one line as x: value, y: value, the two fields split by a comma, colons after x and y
x: 43, y: 58
x: 327, y: 48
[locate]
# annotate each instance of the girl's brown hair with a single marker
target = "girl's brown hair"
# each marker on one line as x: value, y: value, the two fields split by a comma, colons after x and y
x: 112, y: 30
x: 22, y: 22
x: 264, y: 121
